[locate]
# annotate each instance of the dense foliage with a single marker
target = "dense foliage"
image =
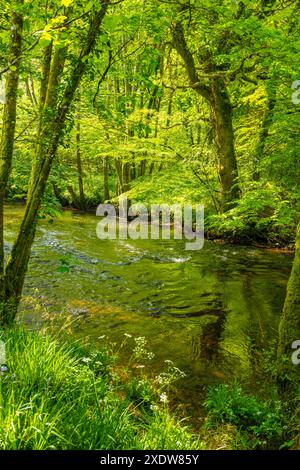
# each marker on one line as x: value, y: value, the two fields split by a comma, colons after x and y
x: 166, y: 101
x: 139, y: 125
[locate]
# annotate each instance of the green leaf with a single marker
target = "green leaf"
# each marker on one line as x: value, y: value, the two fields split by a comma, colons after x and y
x: 66, y: 3
x: 63, y: 269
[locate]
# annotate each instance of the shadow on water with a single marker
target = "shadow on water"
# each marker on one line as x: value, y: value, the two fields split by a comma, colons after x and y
x: 212, y: 312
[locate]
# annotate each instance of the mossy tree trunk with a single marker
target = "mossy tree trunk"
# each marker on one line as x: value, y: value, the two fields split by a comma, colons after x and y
x: 264, y: 133
x: 213, y: 90
x: 9, y: 125
x: 52, y: 122
x: 224, y: 136
x: 82, y: 200
x: 289, y: 328
x: 126, y: 176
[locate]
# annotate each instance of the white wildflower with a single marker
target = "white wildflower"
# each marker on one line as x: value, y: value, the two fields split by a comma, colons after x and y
x: 86, y: 359
x: 163, y: 398
x: 154, y: 407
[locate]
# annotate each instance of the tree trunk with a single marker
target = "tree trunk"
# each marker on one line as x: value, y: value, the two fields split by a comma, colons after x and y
x: 106, y: 195
x: 52, y: 123
x: 264, y: 132
x: 289, y: 328
x: 9, y: 126
x: 57, y: 193
x: 222, y: 120
x: 126, y: 171
x: 143, y: 166
x: 217, y: 97
x: 82, y: 201
x: 74, y: 200
x: 119, y: 185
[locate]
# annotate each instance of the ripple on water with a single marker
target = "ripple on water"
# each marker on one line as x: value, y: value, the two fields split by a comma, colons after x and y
x: 202, y: 309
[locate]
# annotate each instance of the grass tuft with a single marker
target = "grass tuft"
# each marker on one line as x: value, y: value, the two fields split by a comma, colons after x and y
x: 60, y: 395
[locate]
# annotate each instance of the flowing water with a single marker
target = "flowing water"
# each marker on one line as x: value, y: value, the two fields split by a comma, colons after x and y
x: 212, y: 312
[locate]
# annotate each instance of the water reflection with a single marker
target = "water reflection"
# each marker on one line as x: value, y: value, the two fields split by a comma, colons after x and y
x: 210, y: 311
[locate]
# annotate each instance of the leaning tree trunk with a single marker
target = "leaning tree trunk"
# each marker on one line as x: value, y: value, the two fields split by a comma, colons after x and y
x: 222, y: 120
x: 53, y: 121
x: 48, y: 139
x: 289, y: 328
x: 9, y: 125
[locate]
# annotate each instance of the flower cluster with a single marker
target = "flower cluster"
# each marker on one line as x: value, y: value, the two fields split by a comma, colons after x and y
x: 140, y: 351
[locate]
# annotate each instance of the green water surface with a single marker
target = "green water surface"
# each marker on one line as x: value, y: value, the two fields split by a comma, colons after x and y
x: 214, y: 312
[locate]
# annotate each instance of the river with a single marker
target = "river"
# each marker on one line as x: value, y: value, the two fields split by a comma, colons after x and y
x: 213, y: 312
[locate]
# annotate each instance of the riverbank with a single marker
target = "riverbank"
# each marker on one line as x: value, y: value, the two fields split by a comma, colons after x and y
x: 61, y: 394
x: 250, y: 223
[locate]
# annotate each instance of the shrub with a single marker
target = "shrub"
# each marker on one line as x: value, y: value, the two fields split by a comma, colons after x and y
x: 262, y: 214
x: 230, y: 405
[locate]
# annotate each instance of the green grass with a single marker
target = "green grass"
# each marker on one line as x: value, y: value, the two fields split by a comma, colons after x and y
x: 61, y: 395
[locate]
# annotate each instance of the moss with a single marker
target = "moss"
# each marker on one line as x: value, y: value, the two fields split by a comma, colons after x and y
x: 289, y: 328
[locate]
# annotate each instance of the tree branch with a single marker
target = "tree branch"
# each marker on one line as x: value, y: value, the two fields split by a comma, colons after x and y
x: 180, y: 45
